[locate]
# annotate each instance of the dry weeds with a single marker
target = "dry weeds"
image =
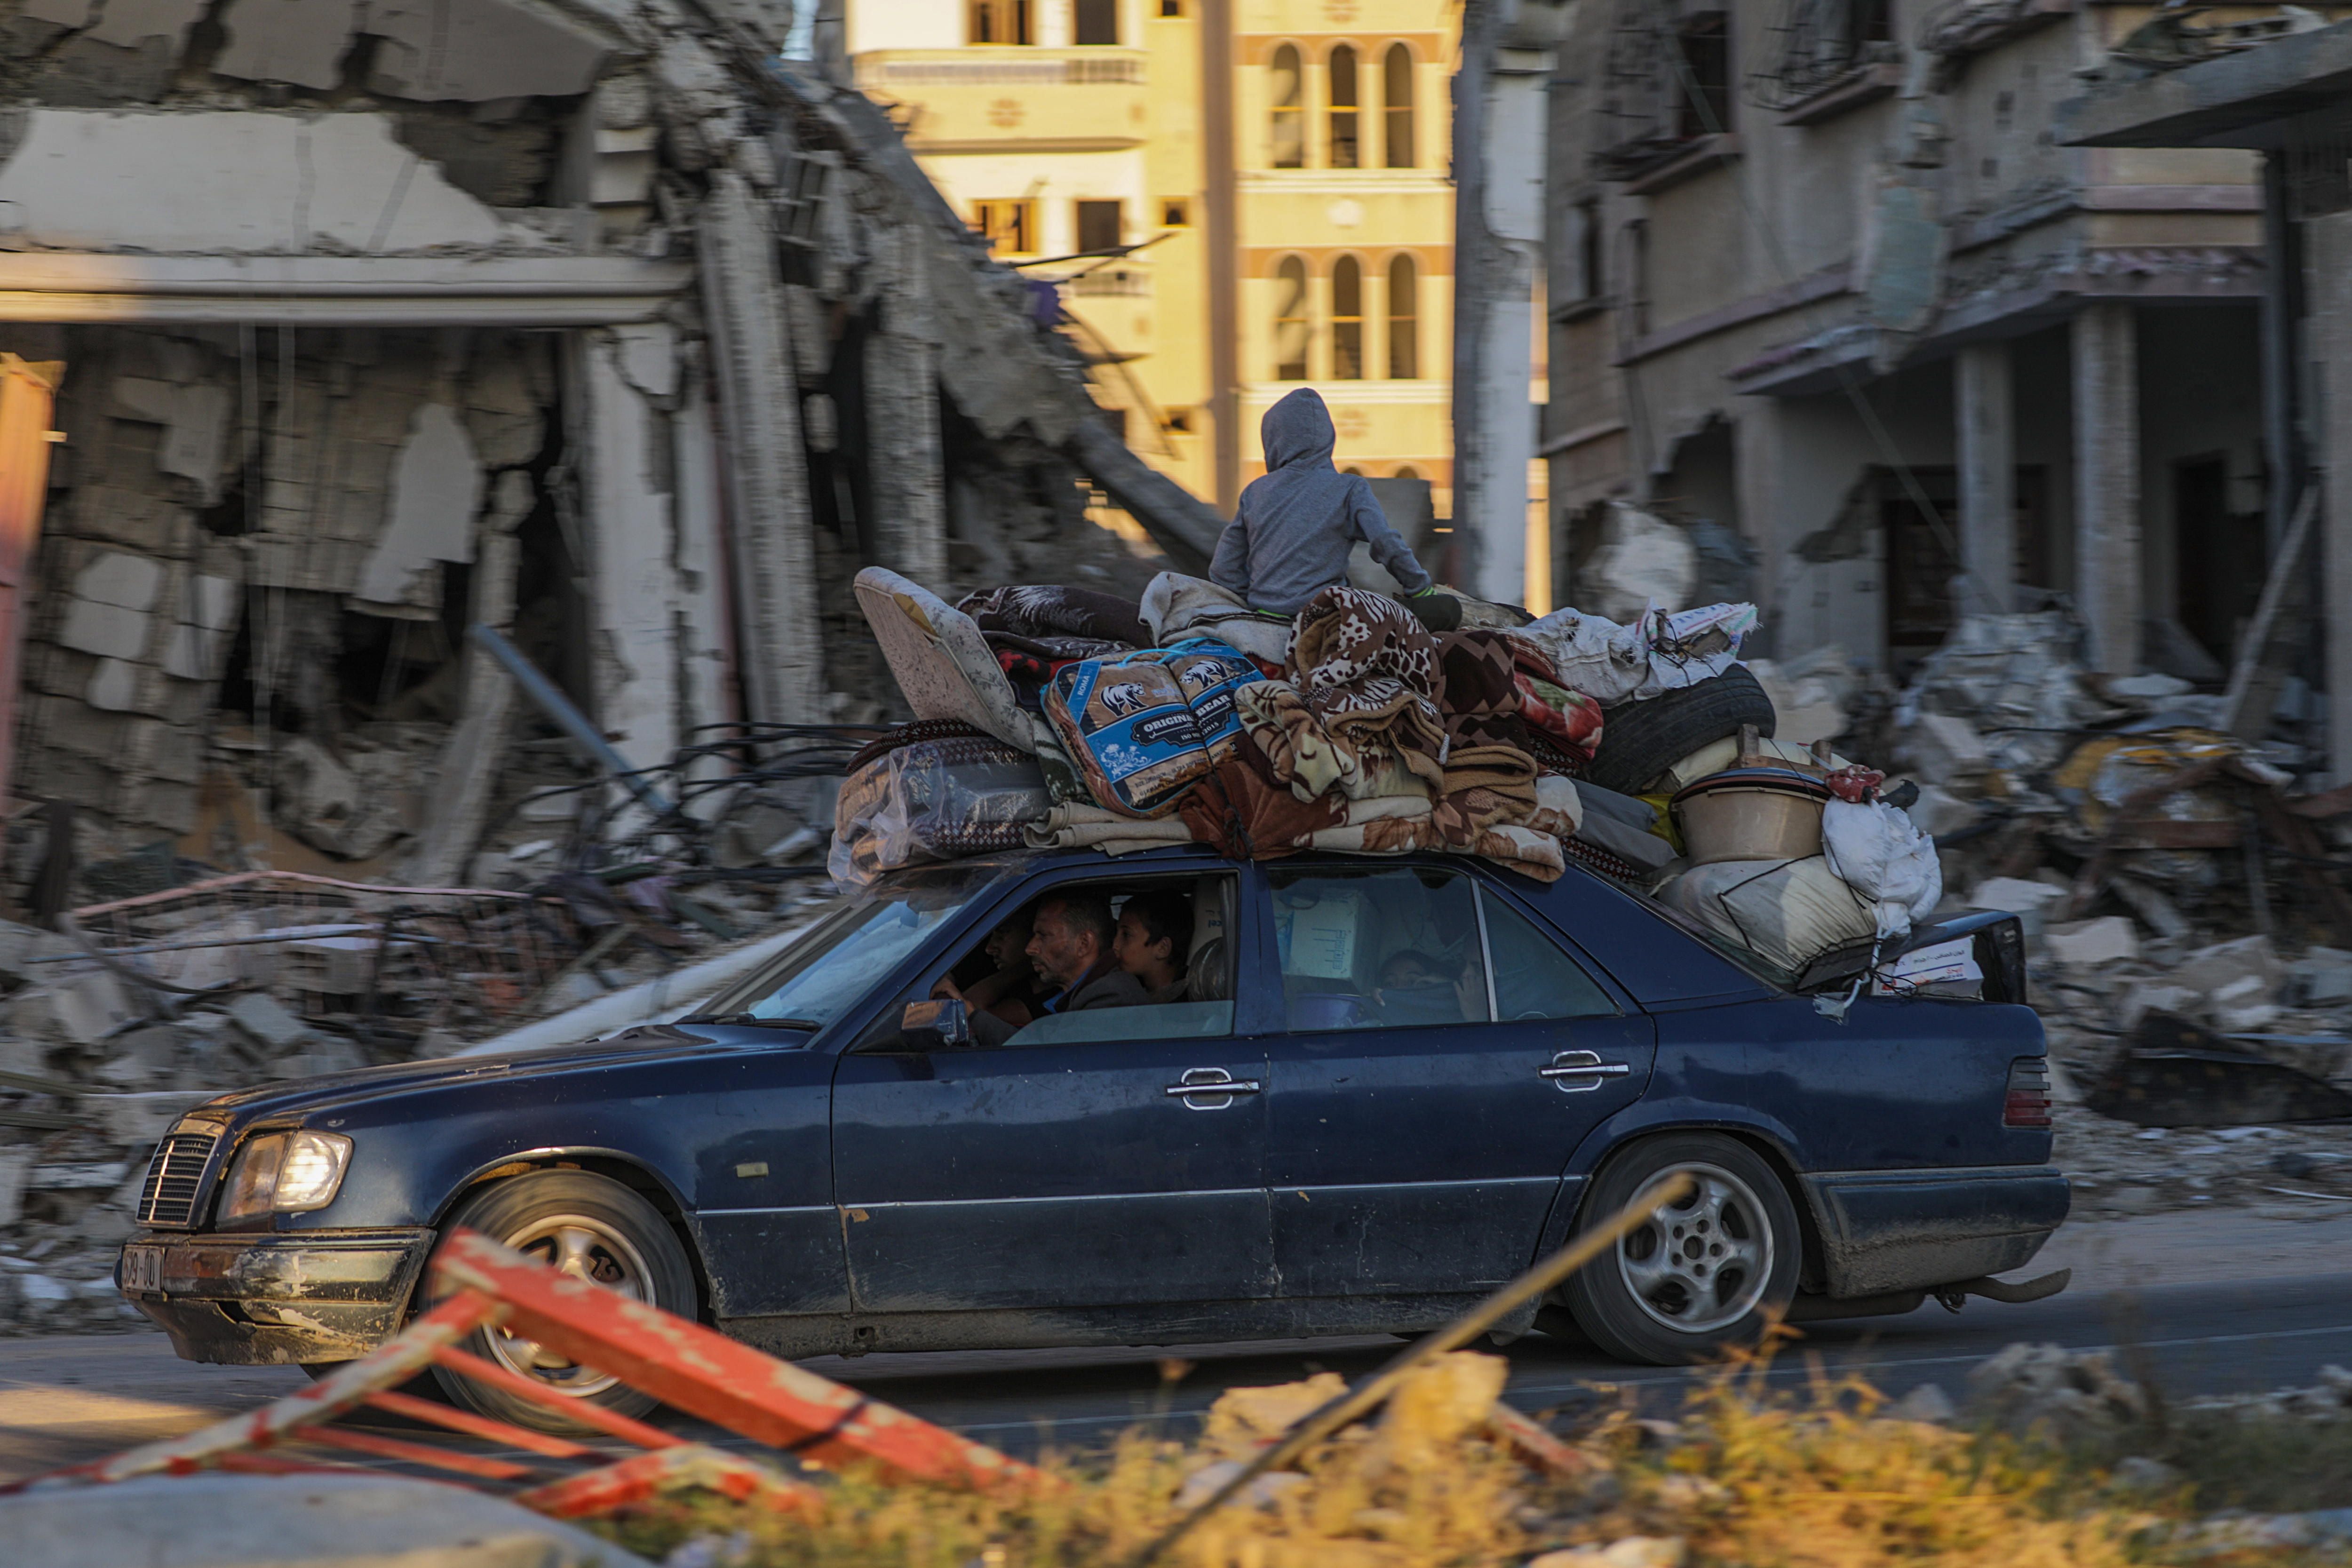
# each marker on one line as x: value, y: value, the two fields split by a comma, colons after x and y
x: 1823, y: 1479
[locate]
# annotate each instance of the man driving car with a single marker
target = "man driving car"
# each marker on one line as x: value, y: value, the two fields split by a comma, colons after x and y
x: 1070, y: 947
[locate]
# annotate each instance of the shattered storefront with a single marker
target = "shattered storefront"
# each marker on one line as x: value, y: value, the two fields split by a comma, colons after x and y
x: 587, y: 323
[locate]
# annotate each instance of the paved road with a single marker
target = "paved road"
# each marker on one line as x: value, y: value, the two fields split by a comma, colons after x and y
x: 2261, y: 1307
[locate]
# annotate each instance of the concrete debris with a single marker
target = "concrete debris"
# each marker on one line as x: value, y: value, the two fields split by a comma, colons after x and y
x: 2171, y: 1073
x: 1644, y: 560
x: 1810, y: 694
x: 2087, y: 943
x: 1927, y: 1402
x: 2139, y: 1473
x: 2065, y: 1395
x: 270, y: 1028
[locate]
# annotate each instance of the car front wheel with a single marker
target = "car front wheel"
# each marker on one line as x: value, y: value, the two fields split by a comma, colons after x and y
x: 590, y: 1227
x: 1706, y: 1273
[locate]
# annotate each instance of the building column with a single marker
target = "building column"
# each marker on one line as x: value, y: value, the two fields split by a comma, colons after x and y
x: 2107, y: 484
x: 2327, y: 242
x: 902, y: 417
x: 1988, y: 444
x: 782, y: 660
x: 1756, y: 450
x: 621, y: 377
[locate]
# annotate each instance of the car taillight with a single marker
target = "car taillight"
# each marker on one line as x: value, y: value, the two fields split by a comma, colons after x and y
x: 2027, y: 1103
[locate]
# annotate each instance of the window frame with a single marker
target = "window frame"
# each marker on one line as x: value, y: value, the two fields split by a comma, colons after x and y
x: 1342, y: 323
x: 1287, y: 117
x: 1078, y: 207
x: 1410, y: 318
x: 878, y: 1035
x: 1352, y: 109
x: 1025, y: 211
x: 1297, y: 869
x: 1305, y: 319
x: 1020, y: 17
x: 1390, y: 111
x: 1101, y: 11
x: 1544, y: 930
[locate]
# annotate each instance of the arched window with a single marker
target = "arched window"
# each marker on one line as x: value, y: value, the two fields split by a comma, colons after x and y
x: 1344, y: 129
x: 1407, y: 471
x: 1404, y: 318
x: 1290, y: 110
x: 1290, y: 328
x: 1396, y: 105
x: 1348, y: 320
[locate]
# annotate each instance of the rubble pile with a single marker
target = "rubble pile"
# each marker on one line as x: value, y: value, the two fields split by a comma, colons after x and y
x: 2184, y: 909
x: 187, y: 981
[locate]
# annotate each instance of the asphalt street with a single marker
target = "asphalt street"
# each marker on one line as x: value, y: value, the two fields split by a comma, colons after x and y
x: 2197, y: 1339
x: 66, y: 1399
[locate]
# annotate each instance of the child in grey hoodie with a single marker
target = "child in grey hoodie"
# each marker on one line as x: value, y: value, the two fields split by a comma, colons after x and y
x: 1290, y: 537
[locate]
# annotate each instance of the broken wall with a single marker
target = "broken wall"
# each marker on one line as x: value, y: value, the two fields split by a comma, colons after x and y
x: 585, y: 324
x: 256, y: 536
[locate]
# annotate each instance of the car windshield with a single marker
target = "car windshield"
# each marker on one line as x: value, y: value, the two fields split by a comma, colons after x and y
x: 842, y: 956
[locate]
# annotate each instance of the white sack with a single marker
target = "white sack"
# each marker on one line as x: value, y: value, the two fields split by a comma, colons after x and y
x: 1787, y: 913
x: 1656, y: 653
x: 1881, y: 854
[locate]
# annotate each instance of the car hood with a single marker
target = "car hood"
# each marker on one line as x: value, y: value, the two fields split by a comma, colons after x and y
x: 304, y: 1096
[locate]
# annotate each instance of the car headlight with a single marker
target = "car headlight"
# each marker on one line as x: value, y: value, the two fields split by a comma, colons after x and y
x: 286, y: 1172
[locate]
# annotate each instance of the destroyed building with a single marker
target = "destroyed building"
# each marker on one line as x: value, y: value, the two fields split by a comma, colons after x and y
x: 593, y: 323
x: 1826, y: 276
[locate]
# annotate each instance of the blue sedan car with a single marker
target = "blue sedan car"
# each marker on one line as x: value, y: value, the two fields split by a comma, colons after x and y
x: 1376, y: 1090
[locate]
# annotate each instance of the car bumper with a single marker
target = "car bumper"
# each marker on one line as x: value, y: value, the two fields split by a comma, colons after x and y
x: 1912, y: 1230
x: 266, y: 1299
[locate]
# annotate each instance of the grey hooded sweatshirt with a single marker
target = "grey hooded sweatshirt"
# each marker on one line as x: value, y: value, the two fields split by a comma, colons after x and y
x: 1290, y: 537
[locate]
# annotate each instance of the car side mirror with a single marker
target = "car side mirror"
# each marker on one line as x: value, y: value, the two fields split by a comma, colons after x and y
x: 941, y: 1024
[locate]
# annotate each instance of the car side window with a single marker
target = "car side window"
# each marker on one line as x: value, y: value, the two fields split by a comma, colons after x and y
x: 1533, y: 977
x: 1165, y: 972
x: 1387, y: 949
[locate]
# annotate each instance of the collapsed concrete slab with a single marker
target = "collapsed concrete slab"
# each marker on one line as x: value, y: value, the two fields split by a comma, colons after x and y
x: 595, y: 325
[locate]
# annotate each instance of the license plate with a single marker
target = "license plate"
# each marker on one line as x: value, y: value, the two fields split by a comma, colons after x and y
x: 143, y: 1268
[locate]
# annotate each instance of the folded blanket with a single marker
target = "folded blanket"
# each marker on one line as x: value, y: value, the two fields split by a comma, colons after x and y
x: 1176, y: 606
x: 1478, y: 690
x: 1048, y: 609
x: 1368, y: 671
x: 1536, y: 855
x: 1070, y: 826
x: 1559, y: 810
x: 1561, y: 726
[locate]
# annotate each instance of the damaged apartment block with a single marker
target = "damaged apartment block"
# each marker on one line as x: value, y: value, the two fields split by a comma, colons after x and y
x: 594, y: 325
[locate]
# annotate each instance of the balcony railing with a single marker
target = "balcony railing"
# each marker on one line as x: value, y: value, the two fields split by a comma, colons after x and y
x: 1009, y: 67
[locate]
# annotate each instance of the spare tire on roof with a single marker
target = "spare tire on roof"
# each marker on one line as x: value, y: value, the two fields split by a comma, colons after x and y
x: 1639, y: 740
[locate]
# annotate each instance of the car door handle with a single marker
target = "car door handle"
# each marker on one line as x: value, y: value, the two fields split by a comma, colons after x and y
x: 1586, y: 1066
x: 1206, y: 1082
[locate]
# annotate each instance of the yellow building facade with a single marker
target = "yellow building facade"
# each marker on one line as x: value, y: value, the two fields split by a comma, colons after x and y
x: 1280, y: 167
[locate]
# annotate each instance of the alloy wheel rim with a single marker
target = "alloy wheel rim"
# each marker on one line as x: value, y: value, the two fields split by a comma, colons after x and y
x: 583, y: 1248
x: 1703, y: 1263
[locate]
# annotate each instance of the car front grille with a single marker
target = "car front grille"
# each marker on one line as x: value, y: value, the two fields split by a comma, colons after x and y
x: 173, y: 1178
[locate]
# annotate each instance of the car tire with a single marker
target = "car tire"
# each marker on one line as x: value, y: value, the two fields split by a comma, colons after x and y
x: 590, y: 1226
x: 1704, y: 1275
x: 1639, y: 740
